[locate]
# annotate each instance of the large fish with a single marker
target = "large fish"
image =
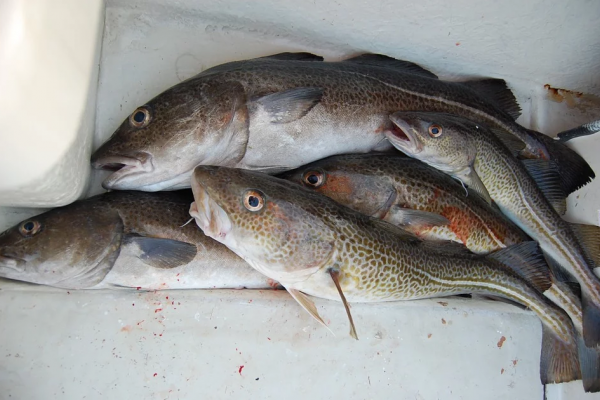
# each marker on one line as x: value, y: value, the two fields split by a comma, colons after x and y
x: 122, y: 239
x: 314, y: 246
x: 424, y: 201
x: 412, y: 195
x: 280, y: 112
x: 469, y: 152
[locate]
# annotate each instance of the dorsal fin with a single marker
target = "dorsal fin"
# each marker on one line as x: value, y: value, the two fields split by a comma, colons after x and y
x: 513, y: 143
x: 574, y: 170
x: 498, y: 92
x: 527, y: 260
x: 301, y: 56
x: 589, y: 238
x: 379, y: 60
x: 544, y: 174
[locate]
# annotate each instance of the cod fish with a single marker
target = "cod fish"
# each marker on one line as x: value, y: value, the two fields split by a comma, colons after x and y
x: 315, y: 246
x: 280, y: 112
x: 122, y: 239
x: 412, y: 195
x: 523, y: 190
x: 422, y: 200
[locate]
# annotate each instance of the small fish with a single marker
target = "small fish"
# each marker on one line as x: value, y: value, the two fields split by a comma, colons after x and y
x: 315, y: 246
x: 583, y: 130
x: 279, y: 112
x: 523, y: 190
x: 122, y: 239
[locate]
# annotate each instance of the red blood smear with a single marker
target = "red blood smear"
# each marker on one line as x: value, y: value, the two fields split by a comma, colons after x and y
x: 177, y: 275
x: 240, y: 370
x: 157, y: 310
x: 155, y: 374
x: 269, y: 338
x: 141, y: 321
x: 133, y: 304
x: 167, y: 297
x: 138, y: 288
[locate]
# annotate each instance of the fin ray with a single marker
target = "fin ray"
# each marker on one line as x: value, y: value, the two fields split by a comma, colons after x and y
x: 308, y: 305
x: 162, y: 253
x: 498, y: 92
x: 380, y: 60
x: 545, y: 174
x: 289, y: 105
x: 335, y: 274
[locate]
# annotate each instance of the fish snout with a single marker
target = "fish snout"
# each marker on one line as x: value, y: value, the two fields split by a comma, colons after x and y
x: 9, y: 261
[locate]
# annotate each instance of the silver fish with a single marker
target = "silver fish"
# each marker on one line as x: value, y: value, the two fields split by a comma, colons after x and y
x: 122, y: 239
x: 280, y: 112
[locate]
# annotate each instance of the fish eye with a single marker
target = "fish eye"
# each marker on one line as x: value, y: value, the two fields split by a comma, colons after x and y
x: 140, y: 117
x: 29, y: 228
x: 254, y: 200
x: 314, y: 178
x: 435, y: 130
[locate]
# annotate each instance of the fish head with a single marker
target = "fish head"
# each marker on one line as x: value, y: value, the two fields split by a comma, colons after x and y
x: 263, y: 219
x: 160, y: 142
x: 437, y: 139
x: 355, y: 181
x: 70, y: 247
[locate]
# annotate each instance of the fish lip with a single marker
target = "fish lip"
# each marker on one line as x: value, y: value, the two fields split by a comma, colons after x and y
x: 123, y: 168
x: 209, y: 216
x: 10, y: 262
x: 402, y: 135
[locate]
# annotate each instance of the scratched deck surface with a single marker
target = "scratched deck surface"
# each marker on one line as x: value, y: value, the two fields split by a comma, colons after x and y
x: 259, y: 344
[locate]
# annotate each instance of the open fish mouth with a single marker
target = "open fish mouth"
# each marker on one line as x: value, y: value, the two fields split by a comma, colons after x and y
x: 209, y: 216
x: 402, y: 136
x: 10, y: 263
x: 123, y: 168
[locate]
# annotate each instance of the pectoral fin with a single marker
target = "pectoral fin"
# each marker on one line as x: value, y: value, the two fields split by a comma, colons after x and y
x: 472, y: 180
x: 289, y: 105
x: 308, y: 305
x: 416, y: 220
x: 335, y: 275
x: 162, y: 253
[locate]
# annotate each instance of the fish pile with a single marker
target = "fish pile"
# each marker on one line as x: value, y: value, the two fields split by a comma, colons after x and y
x: 300, y: 179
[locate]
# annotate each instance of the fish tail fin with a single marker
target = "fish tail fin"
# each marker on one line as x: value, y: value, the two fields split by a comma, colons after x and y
x: 591, y: 321
x: 589, y: 362
x: 559, y: 361
x: 574, y: 171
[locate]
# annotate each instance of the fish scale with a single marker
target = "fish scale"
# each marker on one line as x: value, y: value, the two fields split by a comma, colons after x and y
x: 512, y: 188
x: 320, y: 241
x: 275, y: 114
x: 123, y: 239
x: 365, y: 183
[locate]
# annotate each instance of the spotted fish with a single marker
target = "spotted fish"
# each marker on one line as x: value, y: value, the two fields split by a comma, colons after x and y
x: 122, y: 239
x: 524, y: 191
x: 280, y: 112
x: 314, y: 246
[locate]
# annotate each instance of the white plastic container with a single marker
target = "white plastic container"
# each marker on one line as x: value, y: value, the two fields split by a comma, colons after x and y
x: 71, y: 71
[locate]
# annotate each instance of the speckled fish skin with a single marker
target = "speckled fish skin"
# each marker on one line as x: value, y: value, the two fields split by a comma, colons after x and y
x: 367, y: 183
x: 299, y: 235
x: 507, y: 181
x: 73, y: 238
x: 217, y: 118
